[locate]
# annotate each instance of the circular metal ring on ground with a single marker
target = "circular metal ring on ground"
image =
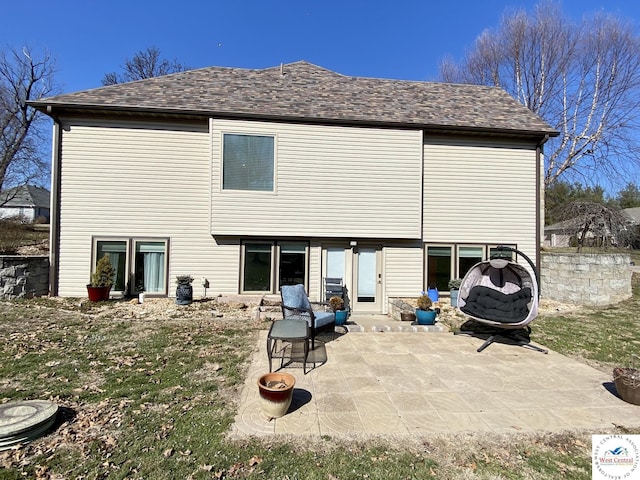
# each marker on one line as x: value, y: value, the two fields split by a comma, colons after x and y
x: 23, y: 421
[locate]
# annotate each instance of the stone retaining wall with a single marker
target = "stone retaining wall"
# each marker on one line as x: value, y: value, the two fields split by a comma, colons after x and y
x: 585, y: 278
x: 22, y: 276
x: 397, y: 306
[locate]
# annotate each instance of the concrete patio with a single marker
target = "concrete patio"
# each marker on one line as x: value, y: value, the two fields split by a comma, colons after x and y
x: 390, y: 382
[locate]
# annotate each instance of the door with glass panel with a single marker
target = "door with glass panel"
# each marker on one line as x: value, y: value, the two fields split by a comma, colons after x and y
x: 367, y: 279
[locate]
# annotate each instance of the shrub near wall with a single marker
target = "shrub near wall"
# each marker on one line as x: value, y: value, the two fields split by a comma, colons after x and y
x: 585, y: 278
x: 22, y: 276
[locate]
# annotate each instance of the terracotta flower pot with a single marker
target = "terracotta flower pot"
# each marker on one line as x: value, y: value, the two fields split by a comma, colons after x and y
x: 627, y: 382
x: 276, y: 393
x: 98, y: 294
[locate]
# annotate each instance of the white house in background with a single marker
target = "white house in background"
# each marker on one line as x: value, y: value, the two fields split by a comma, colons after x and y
x: 253, y: 179
x: 26, y: 202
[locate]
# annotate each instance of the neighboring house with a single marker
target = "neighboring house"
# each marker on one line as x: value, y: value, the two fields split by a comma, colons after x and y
x: 252, y: 179
x: 26, y: 202
x: 566, y: 232
x: 560, y: 234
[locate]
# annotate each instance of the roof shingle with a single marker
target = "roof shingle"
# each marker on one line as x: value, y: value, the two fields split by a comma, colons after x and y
x: 303, y: 91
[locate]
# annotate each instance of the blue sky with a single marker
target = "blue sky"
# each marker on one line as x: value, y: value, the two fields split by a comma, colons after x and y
x: 403, y: 39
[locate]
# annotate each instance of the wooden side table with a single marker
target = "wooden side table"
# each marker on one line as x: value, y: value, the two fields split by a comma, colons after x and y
x: 291, y: 331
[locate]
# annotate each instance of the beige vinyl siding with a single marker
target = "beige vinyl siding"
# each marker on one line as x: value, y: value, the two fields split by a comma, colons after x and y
x: 330, y: 181
x: 403, y: 270
x: 144, y: 180
x: 480, y: 192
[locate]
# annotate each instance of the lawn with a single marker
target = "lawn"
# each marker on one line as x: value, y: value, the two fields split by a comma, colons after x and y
x: 154, y: 397
x: 15, y: 235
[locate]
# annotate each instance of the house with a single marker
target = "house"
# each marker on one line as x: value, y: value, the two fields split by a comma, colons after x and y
x: 27, y: 202
x: 560, y: 234
x: 567, y: 232
x: 249, y: 179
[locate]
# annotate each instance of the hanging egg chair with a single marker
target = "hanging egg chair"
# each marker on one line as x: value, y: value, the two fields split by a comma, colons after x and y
x: 502, y: 294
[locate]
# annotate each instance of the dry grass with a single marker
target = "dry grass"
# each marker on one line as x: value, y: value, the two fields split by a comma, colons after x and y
x: 150, y: 391
x: 15, y: 235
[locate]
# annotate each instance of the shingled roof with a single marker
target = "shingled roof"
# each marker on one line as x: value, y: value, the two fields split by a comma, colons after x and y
x: 302, y: 91
x: 25, y: 196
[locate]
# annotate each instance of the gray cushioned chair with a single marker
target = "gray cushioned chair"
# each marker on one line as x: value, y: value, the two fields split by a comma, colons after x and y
x: 296, y: 305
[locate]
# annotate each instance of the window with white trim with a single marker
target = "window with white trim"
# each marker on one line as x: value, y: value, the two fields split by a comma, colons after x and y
x: 248, y: 162
x: 141, y: 263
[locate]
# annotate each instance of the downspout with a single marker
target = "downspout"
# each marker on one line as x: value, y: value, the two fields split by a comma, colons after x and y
x: 54, y: 216
x: 539, y: 198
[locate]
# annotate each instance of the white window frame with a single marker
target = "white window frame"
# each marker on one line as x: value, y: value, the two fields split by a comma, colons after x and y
x: 222, y: 166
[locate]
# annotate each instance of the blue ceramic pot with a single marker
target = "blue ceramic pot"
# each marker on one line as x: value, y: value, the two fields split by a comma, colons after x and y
x: 341, y: 317
x: 426, y: 317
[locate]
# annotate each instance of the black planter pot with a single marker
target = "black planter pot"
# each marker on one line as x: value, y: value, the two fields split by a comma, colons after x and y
x: 184, y: 294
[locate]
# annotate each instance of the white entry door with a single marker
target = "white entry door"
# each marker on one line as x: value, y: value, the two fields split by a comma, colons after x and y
x: 367, y: 280
x: 361, y: 271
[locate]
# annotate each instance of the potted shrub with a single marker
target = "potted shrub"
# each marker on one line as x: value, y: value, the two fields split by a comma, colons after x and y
x: 101, y: 280
x: 454, y: 289
x: 424, y: 313
x: 184, y: 290
x: 337, y: 305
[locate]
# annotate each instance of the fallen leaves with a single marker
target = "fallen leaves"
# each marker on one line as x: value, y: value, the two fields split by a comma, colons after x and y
x: 81, y: 428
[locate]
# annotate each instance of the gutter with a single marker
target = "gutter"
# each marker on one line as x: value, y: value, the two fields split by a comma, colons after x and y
x: 54, y: 217
x: 539, y: 199
x: 95, y: 109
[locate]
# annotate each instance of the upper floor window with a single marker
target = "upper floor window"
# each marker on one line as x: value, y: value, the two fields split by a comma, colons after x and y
x: 248, y: 162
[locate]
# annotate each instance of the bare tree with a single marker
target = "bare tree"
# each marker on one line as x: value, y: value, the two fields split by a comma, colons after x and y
x: 583, y: 79
x: 592, y: 223
x: 145, y: 64
x: 23, y: 77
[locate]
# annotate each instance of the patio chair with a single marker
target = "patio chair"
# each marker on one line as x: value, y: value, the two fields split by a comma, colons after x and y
x: 333, y: 287
x: 296, y: 305
x: 503, y: 295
